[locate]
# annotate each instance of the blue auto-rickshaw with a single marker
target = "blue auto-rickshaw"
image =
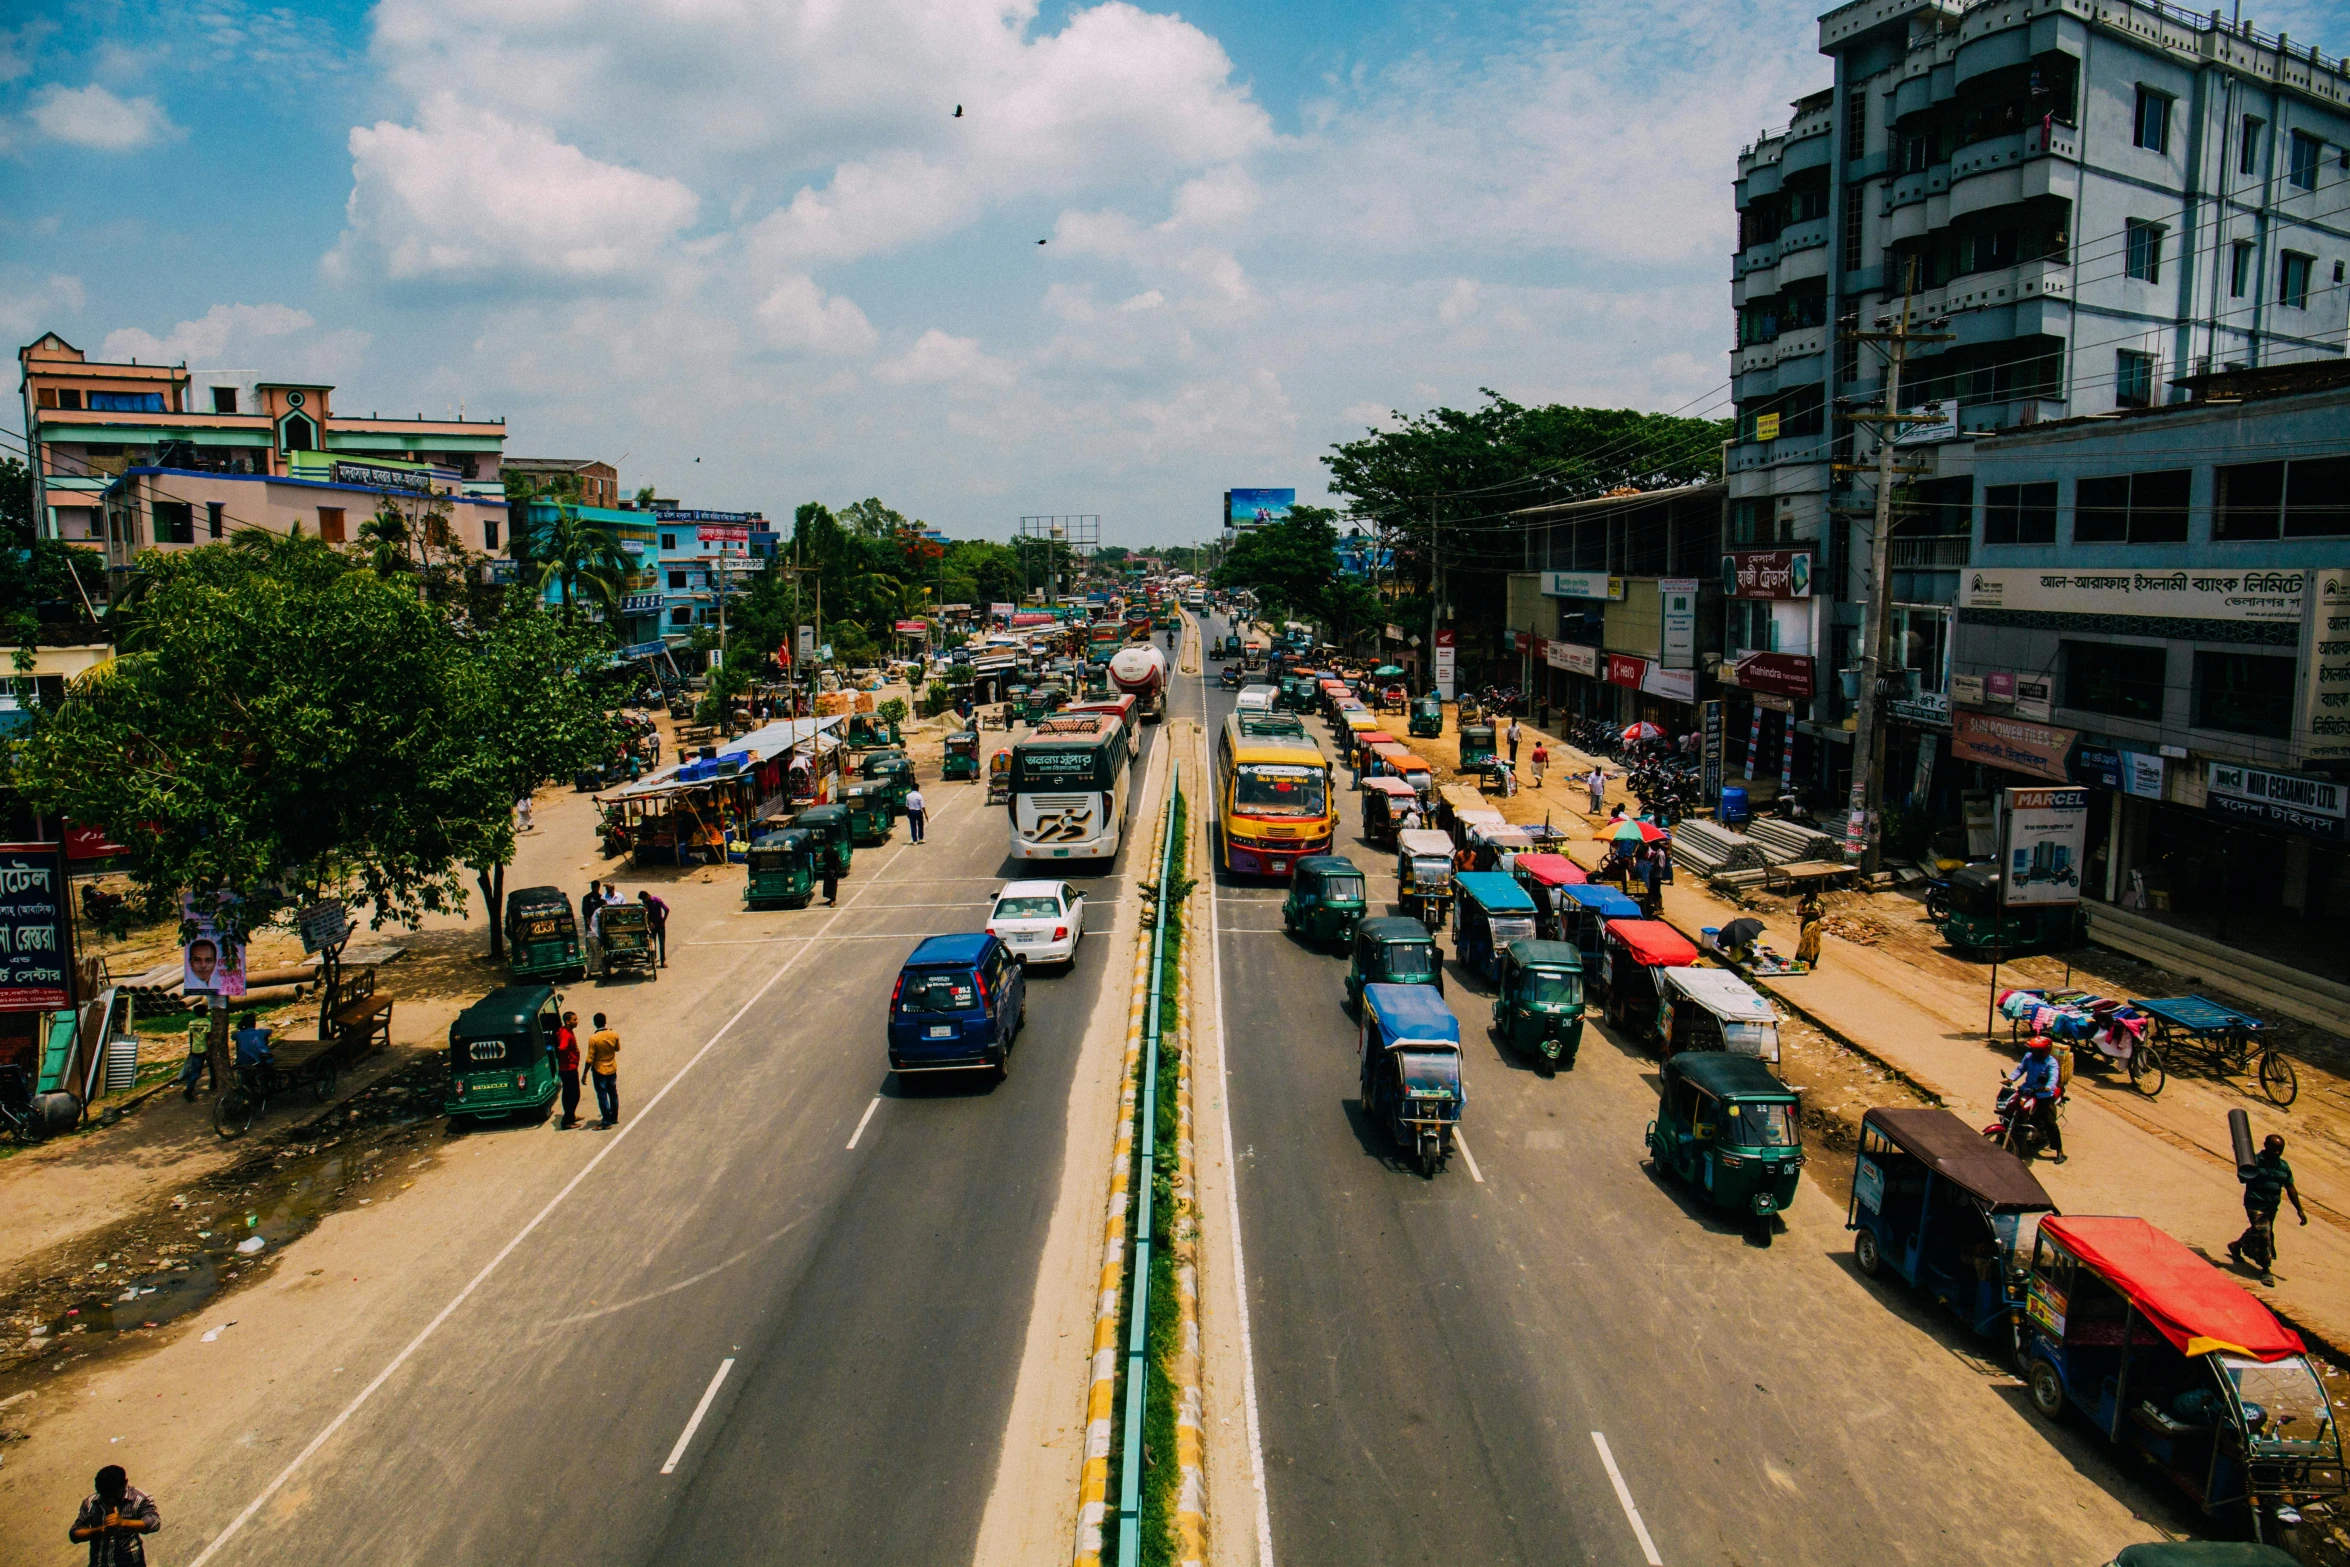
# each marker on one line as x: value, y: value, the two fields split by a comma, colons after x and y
x: 1409, y: 1049
x: 1950, y: 1215
x: 1493, y: 911
x: 1584, y: 911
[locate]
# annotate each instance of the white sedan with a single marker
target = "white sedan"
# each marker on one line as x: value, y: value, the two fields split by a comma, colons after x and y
x: 1041, y: 921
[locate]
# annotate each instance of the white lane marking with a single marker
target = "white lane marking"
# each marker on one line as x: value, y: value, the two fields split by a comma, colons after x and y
x: 237, y: 1524
x: 1462, y: 1143
x: 695, y: 1423
x: 1248, y: 1354
x: 1615, y: 1477
x: 863, y: 1119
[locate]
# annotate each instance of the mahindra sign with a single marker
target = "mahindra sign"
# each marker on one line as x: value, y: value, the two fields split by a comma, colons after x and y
x: 1782, y: 674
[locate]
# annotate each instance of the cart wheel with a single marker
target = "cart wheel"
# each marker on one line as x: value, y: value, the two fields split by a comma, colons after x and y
x: 233, y: 1115
x: 322, y: 1081
x: 2146, y: 1070
x: 2047, y: 1390
x: 1865, y: 1255
x: 2277, y: 1078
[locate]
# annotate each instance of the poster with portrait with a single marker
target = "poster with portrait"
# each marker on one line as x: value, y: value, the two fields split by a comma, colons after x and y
x: 211, y: 964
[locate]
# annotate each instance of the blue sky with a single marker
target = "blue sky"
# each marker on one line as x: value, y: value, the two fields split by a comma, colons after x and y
x: 744, y: 249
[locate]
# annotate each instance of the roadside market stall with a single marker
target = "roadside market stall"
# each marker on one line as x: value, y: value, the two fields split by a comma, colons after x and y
x: 695, y: 812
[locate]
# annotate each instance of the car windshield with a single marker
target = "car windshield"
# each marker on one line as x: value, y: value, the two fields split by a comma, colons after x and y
x: 774, y: 859
x: 1343, y: 889
x: 1554, y: 990
x: 2283, y: 1403
x: 1269, y: 789
x: 1026, y: 908
x: 1430, y: 1074
x: 1411, y: 959
x: 1760, y: 1126
x: 948, y: 992
x: 1428, y: 868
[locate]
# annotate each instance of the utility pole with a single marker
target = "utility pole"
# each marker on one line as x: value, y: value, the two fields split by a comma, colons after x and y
x: 1435, y: 592
x: 1863, y: 840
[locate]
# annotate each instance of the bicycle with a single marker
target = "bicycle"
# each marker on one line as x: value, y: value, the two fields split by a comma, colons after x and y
x: 243, y: 1101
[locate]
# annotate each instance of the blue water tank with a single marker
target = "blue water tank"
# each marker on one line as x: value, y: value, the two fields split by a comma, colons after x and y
x: 1735, y: 810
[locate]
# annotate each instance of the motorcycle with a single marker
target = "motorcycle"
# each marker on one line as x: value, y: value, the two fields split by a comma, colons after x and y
x: 2014, y: 1128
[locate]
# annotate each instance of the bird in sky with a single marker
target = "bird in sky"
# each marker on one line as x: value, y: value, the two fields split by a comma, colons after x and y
x: 958, y: 111
x: 1040, y: 242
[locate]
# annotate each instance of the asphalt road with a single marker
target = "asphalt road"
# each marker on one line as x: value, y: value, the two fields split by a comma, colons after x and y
x: 1447, y: 1367
x: 871, y: 1301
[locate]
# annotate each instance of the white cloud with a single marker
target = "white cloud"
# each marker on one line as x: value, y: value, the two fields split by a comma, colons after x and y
x: 942, y: 359
x: 466, y: 196
x: 95, y: 118
x: 1460, y: 302
x: 798, y: 317
x: 31, y: 309
x: 206, y: 340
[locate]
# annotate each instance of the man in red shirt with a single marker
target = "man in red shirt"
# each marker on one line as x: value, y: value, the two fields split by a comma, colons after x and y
x: 567, y: 1063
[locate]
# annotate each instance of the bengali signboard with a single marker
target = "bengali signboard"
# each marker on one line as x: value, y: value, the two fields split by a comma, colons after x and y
x: 2168, y: 592
x: 377, y: 476
x: 2325, y: 667
x: 2011, y: 744
x: 745, y: 518
x: 1677, y: 606
x: 1767, y: 574
x: 36, y: 935
x: 1709, y: 724
x: 1581, y: 585
x: 1574, y: 657
x: 723, y: 533
x: 2122, y: 772
x: 2314, y: 807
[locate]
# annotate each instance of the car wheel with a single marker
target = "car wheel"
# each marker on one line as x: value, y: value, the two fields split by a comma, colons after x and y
x: 2047, y: 1390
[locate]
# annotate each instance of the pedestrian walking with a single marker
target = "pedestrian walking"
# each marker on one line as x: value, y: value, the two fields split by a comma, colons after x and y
x: 917, y: 813
x: 603, y: 1052
x: 1811, y: 914
x: 567, y: 1064
x: 1513, y: 734
x: 656, y: 916
x: 114, y: 1519
x: 522, y: 821
x: 1652, y: 879
x: 2267, y: 1183
x: 199, y: 1063
x: 589, y: 902
x: 1541, y: 760
x: 831, y: 875
x: 1596, y: 783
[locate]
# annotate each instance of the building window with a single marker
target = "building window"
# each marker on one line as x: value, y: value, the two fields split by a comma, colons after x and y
x: 330, y: 524
x: 2153, y: 121
x: 127, y: 402
x: 175, y: 522
x: 298, y: 434
x: 1855, y: 230
x: 2132, y: 508
x: 2293, y: 280
x: 2133, y: 379
x: 681, y: 616
x: 2020, y: 513
x: 2244, y: 693
x: 489, y: 534
x: 224, y: 399
x: 2118, y: 679
x: 1856, y: 122
x: 677, y: 581
x: 2301, y: 167
x: 214, y: 516
x: 2248, y: 153
x: 1752, y: 629
x: 668, y: 543
x: 69, y: 397
x: 2240, y: 269
x: 2142, y: 251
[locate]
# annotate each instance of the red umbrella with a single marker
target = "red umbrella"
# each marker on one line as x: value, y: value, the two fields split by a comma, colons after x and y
x: 1644, y: 730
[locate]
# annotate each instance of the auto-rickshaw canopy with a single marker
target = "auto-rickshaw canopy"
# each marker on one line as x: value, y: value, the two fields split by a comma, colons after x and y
x: 1958, y: 1154
x: 962, y: 742
x: 1548, y: 870
x: 1424, y: 843
x: 1607, y: 902
x: 1726, y: 1076
x: 505, y: 1013
x: 2187, y: 1300
x: 1394, y: 788
x: 1315, y: 870
x: 1494, y: 892
x: 776, y: 851
x: 1652, y: 942
x: 1563, y: 955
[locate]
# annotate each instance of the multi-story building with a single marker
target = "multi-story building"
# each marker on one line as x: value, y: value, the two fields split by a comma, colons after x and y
x: 135, y: 456
x: 2081, y: 200
x: 598, y: 481
x: 703, y: 553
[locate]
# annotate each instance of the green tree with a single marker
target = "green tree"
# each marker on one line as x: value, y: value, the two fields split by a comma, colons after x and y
x: 558, y: 543
x: 1288, y: 565
x: 16, y: 505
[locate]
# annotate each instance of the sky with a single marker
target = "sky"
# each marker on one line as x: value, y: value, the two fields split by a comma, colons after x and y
x: 746, y: 250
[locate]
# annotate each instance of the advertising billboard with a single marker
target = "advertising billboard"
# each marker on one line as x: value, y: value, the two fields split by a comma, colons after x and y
x: 36, y: 929
x: 2047, y: 831
x: 1256, y: 508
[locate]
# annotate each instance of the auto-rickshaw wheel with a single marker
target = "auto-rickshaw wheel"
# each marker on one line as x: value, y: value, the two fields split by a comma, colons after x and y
x: 1762, y: 1231
x: 1546, y: 1065
x: 2047, y: 1389
x: 1865, y: 1255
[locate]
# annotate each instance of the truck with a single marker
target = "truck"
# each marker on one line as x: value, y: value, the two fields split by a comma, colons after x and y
x: 1140, y: 671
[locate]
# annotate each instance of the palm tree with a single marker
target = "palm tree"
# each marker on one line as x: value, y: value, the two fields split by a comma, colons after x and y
x: 581, y: 554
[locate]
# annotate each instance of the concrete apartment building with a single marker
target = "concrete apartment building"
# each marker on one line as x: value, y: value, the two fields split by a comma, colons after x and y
x: 132, y: 457
x: 2092, y: 198
x: 599, y: 481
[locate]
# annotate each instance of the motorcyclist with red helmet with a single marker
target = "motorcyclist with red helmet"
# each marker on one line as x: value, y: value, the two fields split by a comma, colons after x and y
x: 2039, y: 1081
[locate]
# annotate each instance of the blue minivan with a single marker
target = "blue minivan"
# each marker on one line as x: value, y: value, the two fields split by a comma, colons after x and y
x: 959, y: 1003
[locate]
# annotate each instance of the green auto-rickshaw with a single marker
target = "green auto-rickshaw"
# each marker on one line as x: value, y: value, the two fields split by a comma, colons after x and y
x: 782, y: 869
x: 869, y: 730
x: 1476, y: 747
x: 1427, y: 720
x: 894, y: 769
x: 542, y: 936
x: 502, y: 1053
x: 872, y: 807
x: 962, y: 756
x: 1392, y: 950
x: 1538, y: 1001
x: 1728, y: 1127
x: 1325, y: 900
x: 1977, y: 921
x: 829, y: 826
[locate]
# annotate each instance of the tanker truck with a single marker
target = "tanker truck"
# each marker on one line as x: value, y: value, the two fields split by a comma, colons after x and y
x: 1140, y: 671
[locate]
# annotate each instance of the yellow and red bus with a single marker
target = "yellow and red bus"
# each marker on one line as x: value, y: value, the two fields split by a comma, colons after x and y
x: 1273, y: 800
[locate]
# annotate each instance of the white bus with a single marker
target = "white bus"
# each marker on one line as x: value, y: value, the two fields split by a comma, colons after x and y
x: 1072, y: 786
x: 1123, y: 705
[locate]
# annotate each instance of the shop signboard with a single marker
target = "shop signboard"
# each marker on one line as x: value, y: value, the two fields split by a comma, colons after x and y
x: 911, y: 628
x: 1767, y: 574
x: 639, y: 603
x: 380, y: 476
x: 1575, y: 658
x: 1677, y: 604
x: 36, y: 929
x: 324, y: 924
x: 2325, y: 666
x: 2045, y: 841
x: 1709, y: 723
x: 723, y: 533
x: 1783, y: 674
x: 2316, y: 807
x: 1966, y: 690
x: 1625, y: 670
x: 2035, y: 697
x: 1674, y: 685
x: 1928, y: 709
x: 2012, y: 745
x: 1522, y: 641
x: 1447, y: 663
x: 1928, y: 422
x: 743, y: 518
x: 2163, y: 591
x: 1999, y: 687
x: 1581, y: 585
x: 2124, y: 772
x: 807, y: 643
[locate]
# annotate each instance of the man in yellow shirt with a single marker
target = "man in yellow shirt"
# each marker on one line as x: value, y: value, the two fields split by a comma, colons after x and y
x: 603, y: 1052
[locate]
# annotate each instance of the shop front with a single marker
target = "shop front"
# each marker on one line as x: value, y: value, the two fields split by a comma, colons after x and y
x: 1765, y: 698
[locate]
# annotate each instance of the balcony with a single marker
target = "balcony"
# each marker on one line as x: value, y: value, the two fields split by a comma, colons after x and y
x: 1938, y: 550
x: 2046, y: 278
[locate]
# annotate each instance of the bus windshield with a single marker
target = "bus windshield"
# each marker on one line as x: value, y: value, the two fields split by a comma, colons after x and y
x: 1270, y: 789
